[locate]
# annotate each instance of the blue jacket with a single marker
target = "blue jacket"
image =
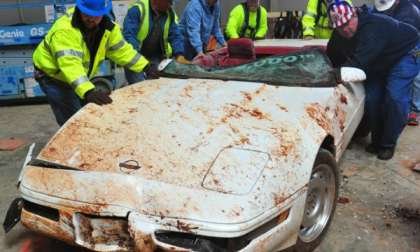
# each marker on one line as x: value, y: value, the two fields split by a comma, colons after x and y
x: 132, y: 27
x: 379, y: 43
x: 406, y: 12
x: 416, y: 3
x: 199, y: 21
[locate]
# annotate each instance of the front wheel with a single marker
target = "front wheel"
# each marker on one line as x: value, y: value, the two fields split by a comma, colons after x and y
x: 320, y: 203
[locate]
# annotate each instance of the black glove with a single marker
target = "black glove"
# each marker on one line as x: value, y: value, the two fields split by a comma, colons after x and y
x: 151, y: 72
x: 98, y: 97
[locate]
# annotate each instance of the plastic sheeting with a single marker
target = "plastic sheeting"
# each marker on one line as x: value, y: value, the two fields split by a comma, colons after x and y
x: 310, y: 68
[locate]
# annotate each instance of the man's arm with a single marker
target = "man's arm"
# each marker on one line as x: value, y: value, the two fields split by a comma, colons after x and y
x: 370, y: 44
x: 233, y: 24
x: 175, y: 37
x: 123, y: 53
x: 69, y: 56
x: 216, y: 31
x: 132, y: 27
x: 193, y: 16
x: 308, y: 20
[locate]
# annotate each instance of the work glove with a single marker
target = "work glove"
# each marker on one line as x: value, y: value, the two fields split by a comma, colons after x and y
x: 182, y: 60
x: 351, y: 74
x: 98, y: 97
x: 308, y: 37
x: 151, y: 72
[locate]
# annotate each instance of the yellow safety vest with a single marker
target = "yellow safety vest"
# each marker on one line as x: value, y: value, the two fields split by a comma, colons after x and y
x: 144, y: 8
x: 64, y: 55
x: 235, y: 27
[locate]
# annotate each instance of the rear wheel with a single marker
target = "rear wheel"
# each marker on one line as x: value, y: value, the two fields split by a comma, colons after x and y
x: 320, y: 202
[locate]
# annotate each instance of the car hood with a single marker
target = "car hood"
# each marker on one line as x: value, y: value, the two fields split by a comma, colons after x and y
x: 179, y: 142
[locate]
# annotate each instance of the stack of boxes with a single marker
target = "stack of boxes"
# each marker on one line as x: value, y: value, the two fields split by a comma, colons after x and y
x: 16, y: 47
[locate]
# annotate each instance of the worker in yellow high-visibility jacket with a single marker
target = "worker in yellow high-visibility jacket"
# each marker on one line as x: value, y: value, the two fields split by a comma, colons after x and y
x: 247, y: 20
x: 315, y: 22
x: 151, y: 27
x: 70, y: 55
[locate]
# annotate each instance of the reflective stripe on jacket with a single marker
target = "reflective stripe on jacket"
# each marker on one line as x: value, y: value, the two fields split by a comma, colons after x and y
x: 144, y: 9
x: 315, y: 22
x: 64, y: 55
x: 237, y: 21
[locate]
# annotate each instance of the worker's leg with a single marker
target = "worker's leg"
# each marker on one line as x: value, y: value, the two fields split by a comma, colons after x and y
x: 133, y: 77
x: 373, y: 108
x: 415, y: 102
x: 63, y: 100
x: 397, y: 102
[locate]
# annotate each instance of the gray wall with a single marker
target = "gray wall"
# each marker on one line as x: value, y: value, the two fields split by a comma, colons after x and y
x: 271, y: 5
x: 283, y: 5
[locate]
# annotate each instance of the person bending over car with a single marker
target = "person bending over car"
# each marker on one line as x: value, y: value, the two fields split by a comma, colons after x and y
x: 387, y: 50
x: 200, y: 20
x: 150, y: 23
x: 70, y: 54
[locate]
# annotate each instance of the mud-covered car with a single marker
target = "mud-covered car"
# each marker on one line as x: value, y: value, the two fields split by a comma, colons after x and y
x: 238, y: 158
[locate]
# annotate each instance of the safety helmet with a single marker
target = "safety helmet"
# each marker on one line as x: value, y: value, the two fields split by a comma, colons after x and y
x: 94, y: 8
x: 340, y: 12
x: 384, y: 5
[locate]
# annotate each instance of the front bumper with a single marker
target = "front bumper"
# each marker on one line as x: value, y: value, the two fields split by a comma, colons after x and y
x: 136, y: 232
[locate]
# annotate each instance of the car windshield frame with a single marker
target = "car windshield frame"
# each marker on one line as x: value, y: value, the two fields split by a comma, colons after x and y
x: 304, y: 68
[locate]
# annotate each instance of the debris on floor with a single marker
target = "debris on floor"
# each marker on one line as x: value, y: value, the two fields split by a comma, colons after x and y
x: 413, y: 165
x: 343, y: 200
x: 416, y: 167
x: 409, y: 210
x: 11, y: 144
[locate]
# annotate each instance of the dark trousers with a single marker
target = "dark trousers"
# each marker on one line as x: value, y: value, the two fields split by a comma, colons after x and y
x: 63, y: 100
x: 388, y: 99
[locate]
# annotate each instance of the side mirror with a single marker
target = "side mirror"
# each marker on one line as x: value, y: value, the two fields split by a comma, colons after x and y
x: 351, y: 74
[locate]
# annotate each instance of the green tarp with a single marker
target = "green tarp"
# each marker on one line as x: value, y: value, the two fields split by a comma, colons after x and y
x: 310, y: 68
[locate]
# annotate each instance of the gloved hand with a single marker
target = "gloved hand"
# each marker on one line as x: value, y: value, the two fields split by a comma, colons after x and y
x: 308, y: 37
x: 182, y: 60
x: 98, y: 97
x: 351, y: 74
x: 200, y: 54
x: 151, y: 72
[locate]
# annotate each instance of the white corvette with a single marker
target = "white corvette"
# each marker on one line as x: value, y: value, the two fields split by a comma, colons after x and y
x: 234, y: 159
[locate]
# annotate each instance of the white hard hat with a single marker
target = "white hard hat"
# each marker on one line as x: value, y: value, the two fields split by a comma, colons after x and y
x: 383, y: 5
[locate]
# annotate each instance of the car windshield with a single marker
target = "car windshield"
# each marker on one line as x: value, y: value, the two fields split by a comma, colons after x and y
x: 308, y: 68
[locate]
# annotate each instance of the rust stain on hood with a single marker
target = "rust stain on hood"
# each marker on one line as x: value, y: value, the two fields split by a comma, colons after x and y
x: 173, y: 129
x: 318, y: 113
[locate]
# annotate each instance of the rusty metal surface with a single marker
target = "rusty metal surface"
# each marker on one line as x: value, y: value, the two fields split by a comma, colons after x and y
x: 165, y: 154
x: 62, y: 229
x: 175, y: 130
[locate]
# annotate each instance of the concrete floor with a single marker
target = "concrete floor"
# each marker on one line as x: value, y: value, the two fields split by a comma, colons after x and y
x: 369, y: 222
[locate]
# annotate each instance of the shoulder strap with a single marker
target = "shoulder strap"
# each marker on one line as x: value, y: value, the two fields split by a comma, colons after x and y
x: 172, y: 15
x: 246, y: 20
x: 318, y: 11
x: 257, y: 26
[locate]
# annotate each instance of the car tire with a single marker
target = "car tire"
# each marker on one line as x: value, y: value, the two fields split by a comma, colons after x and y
x: 315, y: 223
